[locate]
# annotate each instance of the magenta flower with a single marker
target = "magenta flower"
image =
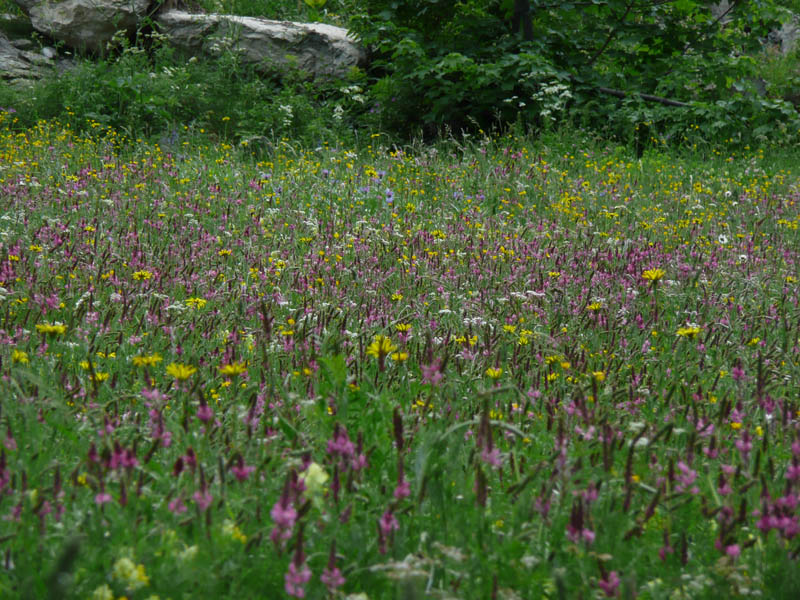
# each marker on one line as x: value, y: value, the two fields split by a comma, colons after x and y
x: 432, y: 374
x: 284, y: 515
x: 204, y: 412
x: 240, y: 470
x: 609, y: 584
x: 177, y: 505
x: 202, y: 498
x: 331, y: 575
x: 388, y: 523
x: 298, y: 574
x: 295, y: 580
x: 102, y: 497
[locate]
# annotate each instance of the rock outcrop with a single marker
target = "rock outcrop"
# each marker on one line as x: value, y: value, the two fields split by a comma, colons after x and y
x: 270, y: 46
x: 85, y: 24
x: 21, y: 61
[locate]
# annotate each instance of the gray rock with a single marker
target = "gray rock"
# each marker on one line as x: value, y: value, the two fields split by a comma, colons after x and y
x: 322, y: 51
x: 19, y: 66
x: 84, y: 24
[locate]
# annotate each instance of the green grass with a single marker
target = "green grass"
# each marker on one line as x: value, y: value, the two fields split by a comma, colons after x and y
x: 546, y: 362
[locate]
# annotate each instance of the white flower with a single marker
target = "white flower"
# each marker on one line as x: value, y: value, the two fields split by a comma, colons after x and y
x: 103, y: 593
x: 315, y: 478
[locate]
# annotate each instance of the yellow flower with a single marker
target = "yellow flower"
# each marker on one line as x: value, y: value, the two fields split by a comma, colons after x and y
x: 54, y: 328
x: 653, y: 274
x: 595, y: 306
x: 690, y: 332
x: 98, y: 377
x: 230, y: 529
x: 600, y: 376
x: 380, y: 347
x: 19, y: 356
x: 397, y: 297
x: 403, y: 327
x: 235, y: 368
x: 102, y: 593
x: 142, y: 275
x: 150, y: 360
x: 196, y: 302
x: 494, y: 372
x: 180, y: 371
x: 400, y: 356
x: 132, y: 576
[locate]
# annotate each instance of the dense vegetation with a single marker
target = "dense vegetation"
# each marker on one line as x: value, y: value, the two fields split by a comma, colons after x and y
x: 643, y: 72
x: 271, y: 337
x: 480, y: 369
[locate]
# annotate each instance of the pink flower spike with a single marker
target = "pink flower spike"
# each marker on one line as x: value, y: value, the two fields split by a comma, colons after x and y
x: 388, y: 523
x: 242, y: 471
x: 610, y: 584
x: 203, y: 499
x: 733, y: 550
x: 332, y: 578
x: 102, y: 498
x: 295, y: 580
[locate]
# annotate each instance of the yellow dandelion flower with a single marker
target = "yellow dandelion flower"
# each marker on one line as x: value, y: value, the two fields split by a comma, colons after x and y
x: 494, y: 372
x: 599, y: 376
x: 653, y: 275
x: 233, y: 369
x: 52, y: 328
x: 380, y: 346
x: 147, y: 360
x: 180, y: 371
x: 195, y: 302
x: 19, y: 356
x: 142, y: 275
x: 689, y: 332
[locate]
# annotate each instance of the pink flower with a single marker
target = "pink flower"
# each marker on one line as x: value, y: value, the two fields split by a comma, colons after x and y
x: 205, y: 412
x: 332, y: 578
x: 388, y: 523
x: 177, y: 506
x: 432, y: 373
x: 242, y: 471
x: 203, y: 499
x: 609, y: 584
x: 403, y: 490
x: 296, y: 578
x: 102, y: 497
x: 284, y: 515
x: 733, y: 550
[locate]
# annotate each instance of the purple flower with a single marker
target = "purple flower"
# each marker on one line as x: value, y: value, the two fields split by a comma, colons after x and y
x: 203, y: 499
x: 432, y: 373
x: 609, y: 584
x: 332, y: 578
x: 284, y: 515
x: 205, y: 412
x: 296, y: 578
x: 388, y: 523
x: 242, y: 471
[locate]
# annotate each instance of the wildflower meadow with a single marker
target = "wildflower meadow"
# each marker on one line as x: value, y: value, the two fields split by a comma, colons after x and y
x: 488, y: 368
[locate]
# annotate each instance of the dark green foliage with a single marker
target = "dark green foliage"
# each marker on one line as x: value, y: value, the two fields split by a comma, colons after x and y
x: 157, y: 94
x: 440, y: 64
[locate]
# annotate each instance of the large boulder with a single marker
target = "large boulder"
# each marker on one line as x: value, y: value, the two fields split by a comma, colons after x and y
x: 84, y: 24
x: 322, y: 51
x: 21, y: 61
